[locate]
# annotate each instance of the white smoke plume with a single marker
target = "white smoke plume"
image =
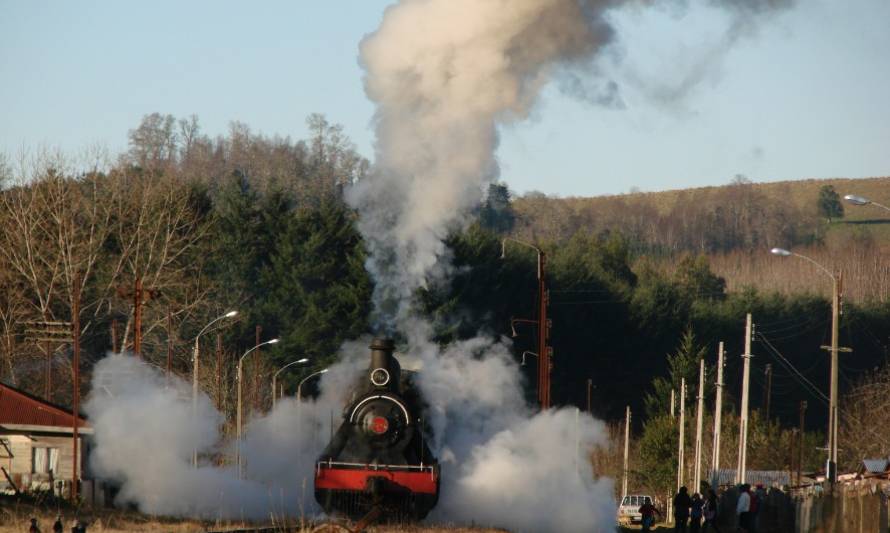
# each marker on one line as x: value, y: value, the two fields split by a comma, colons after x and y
x: 445, y: 74
x: 501, y: 465
x: 145, y: 433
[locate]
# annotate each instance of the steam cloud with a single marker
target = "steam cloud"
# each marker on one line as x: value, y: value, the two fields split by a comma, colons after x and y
x: 444, y: 75
x: 145, y: 434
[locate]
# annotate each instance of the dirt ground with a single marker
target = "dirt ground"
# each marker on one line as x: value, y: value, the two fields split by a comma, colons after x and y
x: 15, y: 515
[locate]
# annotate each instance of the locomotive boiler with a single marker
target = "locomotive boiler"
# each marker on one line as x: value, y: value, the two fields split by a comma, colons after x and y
x: 379, y: 459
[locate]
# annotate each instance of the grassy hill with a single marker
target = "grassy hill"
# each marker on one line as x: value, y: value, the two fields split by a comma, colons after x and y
x: 736, y: 225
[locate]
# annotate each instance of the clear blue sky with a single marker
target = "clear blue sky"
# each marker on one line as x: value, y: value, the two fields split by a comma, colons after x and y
x: 808, y: 95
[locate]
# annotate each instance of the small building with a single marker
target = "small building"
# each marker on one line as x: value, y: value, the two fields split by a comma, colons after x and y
x: 37, y: 445
x: 874, y: 468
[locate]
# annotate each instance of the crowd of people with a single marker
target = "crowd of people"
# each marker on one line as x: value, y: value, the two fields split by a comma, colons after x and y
x: 698, y: 514
x: 76, y: 527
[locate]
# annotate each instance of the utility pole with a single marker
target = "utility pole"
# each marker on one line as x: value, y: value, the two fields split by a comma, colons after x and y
x: 803, y: 412
x: 743, y: 422
x: 831, y: 469
x: 589, y: 393
x: 682, y: 446
x: 75, y: 409
x: 139, y: 295
x: 626, y: 449
x: 137, y: 317
x: 169, y: 343
x: 544, y: 352
x: 699, y: 415
x: 718, y: 411
x: 219, y: 356
x: 673, y: 403
x: 49, y: 334
x: 767, y: 392
x: 114, y: 347
x: 256, y: 369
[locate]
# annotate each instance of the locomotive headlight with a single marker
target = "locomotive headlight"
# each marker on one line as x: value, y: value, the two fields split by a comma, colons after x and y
x: 378, y: 425
x: 379, y: 377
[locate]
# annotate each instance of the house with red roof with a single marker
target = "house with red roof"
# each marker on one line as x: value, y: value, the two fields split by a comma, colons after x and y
x: 37, y: 443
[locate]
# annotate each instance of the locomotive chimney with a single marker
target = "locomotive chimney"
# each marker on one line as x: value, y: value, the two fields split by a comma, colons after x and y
x: 382, y: 358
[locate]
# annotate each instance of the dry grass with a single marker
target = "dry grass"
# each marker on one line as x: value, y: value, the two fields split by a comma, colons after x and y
x: 15, y: 518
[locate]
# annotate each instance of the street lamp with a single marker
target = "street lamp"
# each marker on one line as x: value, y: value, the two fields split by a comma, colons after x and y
x: 831, y: 470
x: 544, y: 352
x: 238, y: 423
x: 859, y: 200
x: 195, y: 362
x: 307, y: 378
x: 275, y: 377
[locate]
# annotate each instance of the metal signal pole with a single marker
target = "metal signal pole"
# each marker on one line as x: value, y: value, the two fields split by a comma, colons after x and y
x: 718, y: 411
x: 545, y: 353
x: 743, y: 422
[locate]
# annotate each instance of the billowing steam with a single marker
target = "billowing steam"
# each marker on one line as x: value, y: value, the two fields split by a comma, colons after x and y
x: 501, y: 465
x: 145, y: 433
x: 444, y: 75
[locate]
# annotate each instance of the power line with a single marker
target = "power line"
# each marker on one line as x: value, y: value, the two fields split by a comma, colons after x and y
x: 785, y: 362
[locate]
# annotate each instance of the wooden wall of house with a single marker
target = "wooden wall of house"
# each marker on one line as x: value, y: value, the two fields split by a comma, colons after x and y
x: 20, y: 465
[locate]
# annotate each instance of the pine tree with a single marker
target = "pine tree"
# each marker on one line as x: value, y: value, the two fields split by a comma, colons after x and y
x: 829, y: 203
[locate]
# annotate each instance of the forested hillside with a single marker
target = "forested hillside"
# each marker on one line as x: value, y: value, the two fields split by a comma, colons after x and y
x: 258, y: 224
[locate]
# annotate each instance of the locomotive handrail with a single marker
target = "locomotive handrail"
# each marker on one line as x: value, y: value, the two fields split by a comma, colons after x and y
x: 330, y: 464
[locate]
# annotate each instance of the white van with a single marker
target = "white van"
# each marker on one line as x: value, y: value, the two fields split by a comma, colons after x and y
x: 629, y: 510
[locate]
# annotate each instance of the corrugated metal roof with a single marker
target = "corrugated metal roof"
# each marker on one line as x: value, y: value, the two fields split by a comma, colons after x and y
x: 19, y: 407
x: 875, y: 466
x: 768, y: 478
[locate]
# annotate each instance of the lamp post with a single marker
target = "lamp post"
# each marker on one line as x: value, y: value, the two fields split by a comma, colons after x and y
x: 275, y: 377
x: 238, y: 422
x: 859, y: 200
x: 831, y: 468
x: 307, y: 378
x: 195, y: 362
x: 544, y: 352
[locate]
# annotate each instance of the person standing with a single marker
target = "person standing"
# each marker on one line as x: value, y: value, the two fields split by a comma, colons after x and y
x: 681, y: 510
x: 695, y: 513
x: 743, y: 508
x: 647, y: 514
x: 709, y: 511
x: 34, y: 528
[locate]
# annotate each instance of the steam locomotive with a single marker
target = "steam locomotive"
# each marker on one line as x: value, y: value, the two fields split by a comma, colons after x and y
x: 378, y: 459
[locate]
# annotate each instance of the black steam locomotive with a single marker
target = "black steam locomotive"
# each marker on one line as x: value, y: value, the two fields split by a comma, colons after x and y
x: 379, y: 460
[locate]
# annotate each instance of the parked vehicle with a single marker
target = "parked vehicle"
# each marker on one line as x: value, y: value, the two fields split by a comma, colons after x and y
x: 629, y: 510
